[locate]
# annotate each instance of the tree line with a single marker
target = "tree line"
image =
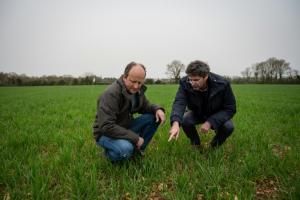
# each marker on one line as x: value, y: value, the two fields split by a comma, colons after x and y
x: 272, y: 70
x: 14, y: 79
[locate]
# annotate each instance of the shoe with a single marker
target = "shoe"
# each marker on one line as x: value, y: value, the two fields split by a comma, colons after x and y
x: 195, y: 142
x: 140, y: 152
x: 215, y: 143
x: 196, y: 146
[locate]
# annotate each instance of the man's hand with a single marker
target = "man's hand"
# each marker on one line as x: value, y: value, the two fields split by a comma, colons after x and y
x: 140, y: 142
x: 205, y: 127
x: 160, y: 116
x: 174, y: 131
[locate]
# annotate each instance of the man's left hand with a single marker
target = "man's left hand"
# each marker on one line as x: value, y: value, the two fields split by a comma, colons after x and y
x: 160, y: 116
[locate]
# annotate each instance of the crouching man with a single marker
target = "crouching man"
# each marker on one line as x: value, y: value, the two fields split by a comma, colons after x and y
x: 203, y: 98
x: 115, y: 128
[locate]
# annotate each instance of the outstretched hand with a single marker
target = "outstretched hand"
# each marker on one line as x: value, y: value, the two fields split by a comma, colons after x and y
x: 174, y: 131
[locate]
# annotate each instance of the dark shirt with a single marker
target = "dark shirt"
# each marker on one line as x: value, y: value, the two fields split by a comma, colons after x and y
x: 204, y: 99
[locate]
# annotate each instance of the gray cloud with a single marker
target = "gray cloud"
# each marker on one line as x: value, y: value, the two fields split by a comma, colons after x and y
x: 74, y: 37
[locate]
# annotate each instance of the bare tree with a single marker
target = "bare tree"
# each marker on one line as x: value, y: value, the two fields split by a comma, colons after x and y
x: 296, y: 72
x: 88, y: 78
x: 271, y: 69
x: 261, y: 70
x: 277, y: 67
x: 283, y: 67
x: 246, y: 73
x: 174, y: 69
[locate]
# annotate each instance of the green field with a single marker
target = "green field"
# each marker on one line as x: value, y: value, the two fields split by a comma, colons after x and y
x: 48, y: 152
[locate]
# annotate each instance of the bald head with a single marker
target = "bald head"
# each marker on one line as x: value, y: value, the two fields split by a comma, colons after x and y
x: 134, y: 77
x: 137, y: 67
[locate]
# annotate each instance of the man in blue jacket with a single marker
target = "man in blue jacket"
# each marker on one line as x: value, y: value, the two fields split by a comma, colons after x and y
x: 203, y: 98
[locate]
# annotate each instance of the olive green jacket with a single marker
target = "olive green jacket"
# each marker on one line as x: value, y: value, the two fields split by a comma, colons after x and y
x: 115, y: 113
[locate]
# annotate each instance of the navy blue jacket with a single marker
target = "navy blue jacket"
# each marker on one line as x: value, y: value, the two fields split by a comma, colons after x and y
x: 221, y: 104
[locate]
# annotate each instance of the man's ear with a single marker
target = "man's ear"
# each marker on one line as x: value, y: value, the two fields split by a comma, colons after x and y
x: 206, y: 77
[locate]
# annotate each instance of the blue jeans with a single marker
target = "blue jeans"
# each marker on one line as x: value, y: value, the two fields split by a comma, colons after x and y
x: 122, y: 149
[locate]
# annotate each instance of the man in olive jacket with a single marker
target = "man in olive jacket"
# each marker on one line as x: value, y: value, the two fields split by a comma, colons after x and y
x: 115, y: 128
x: 203, y: 98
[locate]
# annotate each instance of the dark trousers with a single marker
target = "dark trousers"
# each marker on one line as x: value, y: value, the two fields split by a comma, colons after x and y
x: 188, y: 126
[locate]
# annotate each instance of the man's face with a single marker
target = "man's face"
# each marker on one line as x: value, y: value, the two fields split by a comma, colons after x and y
x: 198, y: 82
x: 135, y: 79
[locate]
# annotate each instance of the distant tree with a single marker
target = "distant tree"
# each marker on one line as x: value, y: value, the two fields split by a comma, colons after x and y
x: 270, y: 70
x: 174, y: 69
x: 290, y: 73
x: 261, y: 72
x: 149, y: 81
x: 67, y: 80
x: 88, y: 78
x: 276, y: 68
x: 246, y: 73
x: 158, y: 81
x: 296, y: 72
x: 3, y: 78
x: 282, y: 67
x: 108, y: 80
x: 75, y: 81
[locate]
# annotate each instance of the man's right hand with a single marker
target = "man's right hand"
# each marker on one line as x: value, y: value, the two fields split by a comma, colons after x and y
x: 205, y: 127
x: 174, y: 131
x: 139, y: 143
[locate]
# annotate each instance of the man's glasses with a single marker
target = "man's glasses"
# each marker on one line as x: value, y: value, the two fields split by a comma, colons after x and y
x: 193, y: 80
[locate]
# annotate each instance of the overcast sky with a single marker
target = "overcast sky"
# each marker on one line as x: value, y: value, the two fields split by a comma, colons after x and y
x: 72, y: 37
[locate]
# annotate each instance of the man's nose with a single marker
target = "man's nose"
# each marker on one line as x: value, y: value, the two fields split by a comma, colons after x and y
x: 136, y: 86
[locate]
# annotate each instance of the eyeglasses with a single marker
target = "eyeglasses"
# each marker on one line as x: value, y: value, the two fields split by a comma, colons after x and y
x: 194, y: 80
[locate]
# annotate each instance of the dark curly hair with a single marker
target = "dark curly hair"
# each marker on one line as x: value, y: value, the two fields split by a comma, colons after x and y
x: 197, y: 68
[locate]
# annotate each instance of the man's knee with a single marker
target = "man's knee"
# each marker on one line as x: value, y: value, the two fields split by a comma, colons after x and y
x: 124, y: 150
x: 148, y: 118
x: 228, y: 127
x: 188, y: 119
